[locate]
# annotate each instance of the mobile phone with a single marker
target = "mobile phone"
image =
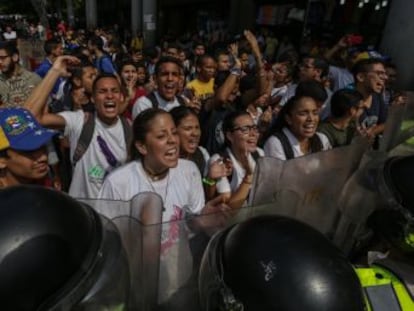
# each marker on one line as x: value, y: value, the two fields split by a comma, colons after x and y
x: 354, y: 39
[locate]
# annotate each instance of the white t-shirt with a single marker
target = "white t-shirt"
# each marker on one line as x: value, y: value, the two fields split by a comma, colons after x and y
x: 273, y: 147
x: 143, y: 103
x: 181, y: 190
x: 90, y: 171
x: 223, y: 185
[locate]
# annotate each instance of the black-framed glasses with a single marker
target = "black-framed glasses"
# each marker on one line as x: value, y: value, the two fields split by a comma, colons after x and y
x: 246, y: 129
x: 379, y: 73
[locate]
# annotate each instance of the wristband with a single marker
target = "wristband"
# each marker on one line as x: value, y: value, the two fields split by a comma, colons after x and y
x: 208, y: 181
x: 236, y: 71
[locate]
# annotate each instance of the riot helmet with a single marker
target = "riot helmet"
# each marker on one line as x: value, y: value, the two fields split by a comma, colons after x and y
x: 58, y: 254
x: 394, y: 220
x: 276, y: 263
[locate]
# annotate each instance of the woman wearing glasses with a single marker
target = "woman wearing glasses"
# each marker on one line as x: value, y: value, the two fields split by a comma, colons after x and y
x: 294, y: 132
x: 241, y: 136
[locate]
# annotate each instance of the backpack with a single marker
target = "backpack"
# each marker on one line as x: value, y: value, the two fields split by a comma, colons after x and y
x: 154, y: 101
x: 287, y: 147
x: 85, y: 137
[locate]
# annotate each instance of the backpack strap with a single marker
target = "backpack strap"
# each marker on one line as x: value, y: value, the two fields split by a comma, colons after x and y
x: 85, y: 137
x: 255, y: 155
x: 225, y: 155
x: 153, y: 99
x: 126, y: 126
x: 180, y: 100
x: 199, y: 160
x: 287, y: 147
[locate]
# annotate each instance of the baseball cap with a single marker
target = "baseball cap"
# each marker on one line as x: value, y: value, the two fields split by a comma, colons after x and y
x: 22, y: 131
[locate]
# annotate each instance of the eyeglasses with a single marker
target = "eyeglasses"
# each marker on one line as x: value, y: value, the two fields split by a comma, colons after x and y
x: 245, y: 129
x: 3, y: 57
x: 379, y: 73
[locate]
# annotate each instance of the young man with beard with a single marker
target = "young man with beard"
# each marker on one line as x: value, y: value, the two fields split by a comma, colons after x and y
x: 23, y: 153
x: 167, y: 75
x: 16, y: 83
x: 107, y: 148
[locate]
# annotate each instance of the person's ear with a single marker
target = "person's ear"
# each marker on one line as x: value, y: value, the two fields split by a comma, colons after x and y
x: 3, y: 163
x: 15, y: 58
x: 360, y: 77
x: 77, y: 82
x: 229, y: 136
x: 141, y: 147
x: 318, y: 72
x: 288, y: 119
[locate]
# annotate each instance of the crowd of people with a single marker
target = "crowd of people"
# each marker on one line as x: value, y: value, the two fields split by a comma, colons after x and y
x: 241, y: 103
x: 104, y: 118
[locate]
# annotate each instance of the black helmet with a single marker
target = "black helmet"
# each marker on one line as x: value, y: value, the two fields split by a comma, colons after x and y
x: 56, y: 253
x: 276, y: 263
x: 395, y: 220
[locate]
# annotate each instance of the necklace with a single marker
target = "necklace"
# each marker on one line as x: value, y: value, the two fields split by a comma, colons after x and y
x: 155, y: 176
x: 153, y: 188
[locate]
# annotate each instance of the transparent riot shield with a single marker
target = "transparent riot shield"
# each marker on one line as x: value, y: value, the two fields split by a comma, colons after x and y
x: 358, y: 199
x: 306, y: 188
x: 139, y: 224
x: 362, y: 193
x: 399, y: 128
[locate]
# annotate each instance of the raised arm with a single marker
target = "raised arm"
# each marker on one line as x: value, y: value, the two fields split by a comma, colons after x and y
x: 37, y: 100
x: 339, y: 46
x: 224, y: 91
x: 262, y: 83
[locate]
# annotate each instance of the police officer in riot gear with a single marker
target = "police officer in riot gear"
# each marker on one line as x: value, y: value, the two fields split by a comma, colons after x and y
x: 58, y: 254
x: 276, y: 263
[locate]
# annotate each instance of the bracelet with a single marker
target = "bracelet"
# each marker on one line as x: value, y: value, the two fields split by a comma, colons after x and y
x: 209, y: 181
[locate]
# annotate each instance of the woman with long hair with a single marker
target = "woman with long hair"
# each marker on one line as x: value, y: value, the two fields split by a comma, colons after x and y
x: 241, y: 137
x: 294, y: 132
x: 155, y: 166
x: 189, y: 133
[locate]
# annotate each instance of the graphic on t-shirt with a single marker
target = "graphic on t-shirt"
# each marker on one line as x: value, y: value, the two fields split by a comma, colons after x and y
x: 96, y: 174
x: 171, y: 231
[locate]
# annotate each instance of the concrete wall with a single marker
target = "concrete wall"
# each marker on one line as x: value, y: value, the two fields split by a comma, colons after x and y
x: 398, y: 41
